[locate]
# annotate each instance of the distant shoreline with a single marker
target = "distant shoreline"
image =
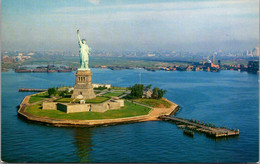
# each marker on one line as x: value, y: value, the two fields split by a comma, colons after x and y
x: 125, y: 68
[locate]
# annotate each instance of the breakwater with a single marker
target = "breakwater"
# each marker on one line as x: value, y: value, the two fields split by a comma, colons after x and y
x: 201, y: 127
x: 31, y: 90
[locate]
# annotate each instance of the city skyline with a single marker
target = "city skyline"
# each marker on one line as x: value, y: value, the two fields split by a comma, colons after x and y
x: 130, y: 25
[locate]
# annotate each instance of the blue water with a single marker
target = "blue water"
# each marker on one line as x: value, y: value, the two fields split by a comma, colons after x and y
x: 227, y: 98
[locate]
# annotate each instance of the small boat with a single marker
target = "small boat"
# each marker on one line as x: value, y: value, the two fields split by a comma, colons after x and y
x: 188, y: 133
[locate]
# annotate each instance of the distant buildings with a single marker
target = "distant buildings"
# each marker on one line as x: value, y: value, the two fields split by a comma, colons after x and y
x: 31, y: 53
x: 210, y: 66
x: 101, y: 85
x: 252, y: 53
x: 150, y: 55
x: 19, y: 57
x: 255, y: 51
x: 7, y: 59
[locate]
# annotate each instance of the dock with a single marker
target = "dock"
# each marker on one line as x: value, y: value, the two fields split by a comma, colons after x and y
x: 211, y: 131
x: 31, y: 90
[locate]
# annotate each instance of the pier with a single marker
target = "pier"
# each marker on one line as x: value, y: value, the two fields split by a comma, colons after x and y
x: 200, y: 127
x: 31, y: 90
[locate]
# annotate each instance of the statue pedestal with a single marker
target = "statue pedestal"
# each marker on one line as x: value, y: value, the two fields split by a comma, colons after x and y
x: 83, y: 88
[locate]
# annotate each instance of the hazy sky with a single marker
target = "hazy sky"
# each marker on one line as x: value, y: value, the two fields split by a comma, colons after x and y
x: 130, y: 24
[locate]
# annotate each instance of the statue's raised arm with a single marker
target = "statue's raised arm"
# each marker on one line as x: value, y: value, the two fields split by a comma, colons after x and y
x: 79, y: 38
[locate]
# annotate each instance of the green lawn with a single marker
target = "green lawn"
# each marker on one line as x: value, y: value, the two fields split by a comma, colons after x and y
x: 119, y: 88
x: 98, y: 99
x: 64, y: 100
x: 38, y: 97
x: 157, y: 103
x: 113, y: 94
x: 97, y: 91
x: 129, y: 110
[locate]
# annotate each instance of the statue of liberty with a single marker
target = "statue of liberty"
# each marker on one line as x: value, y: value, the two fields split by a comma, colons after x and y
x: 84, y: 52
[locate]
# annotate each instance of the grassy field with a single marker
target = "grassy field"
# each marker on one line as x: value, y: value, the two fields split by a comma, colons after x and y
x: 98, y: 99
x: 113, y: 94
x: 38, y: 97
x: 97, y: 91
x: 118, y: 88
x: 66, y: 100
x: 129, y: 110
x: 157, y: 103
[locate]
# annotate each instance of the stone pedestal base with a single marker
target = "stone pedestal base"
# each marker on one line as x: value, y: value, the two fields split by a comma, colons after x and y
x: 83, y: 88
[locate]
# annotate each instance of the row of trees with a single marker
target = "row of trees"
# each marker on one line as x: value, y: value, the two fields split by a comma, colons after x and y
x: 56, y: 92
x: 138, y: 89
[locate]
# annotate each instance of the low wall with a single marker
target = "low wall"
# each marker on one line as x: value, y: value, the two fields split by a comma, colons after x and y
x: 102, y: 107
x: 74, y: 108
x: 113, y: 105
x: 49, y: 105
x: 121, y: 102
x: 62, y: 107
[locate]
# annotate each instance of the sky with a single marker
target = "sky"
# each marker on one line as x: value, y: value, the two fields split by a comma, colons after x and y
x: 130, y: 25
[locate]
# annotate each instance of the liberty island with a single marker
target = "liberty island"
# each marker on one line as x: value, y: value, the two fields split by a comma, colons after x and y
x: 83, y: 92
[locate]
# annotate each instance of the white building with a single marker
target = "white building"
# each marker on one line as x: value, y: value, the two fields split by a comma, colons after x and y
x: 101, y: 85
x: 255, y: 51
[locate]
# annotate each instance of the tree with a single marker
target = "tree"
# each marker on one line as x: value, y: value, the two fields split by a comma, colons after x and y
x: 67, y: 91
x: 158, y: 93
x: 149, y: 86
x: 51, y: 92
x: 137, y: 91
x: 155, y: 92
x: 161, y: 92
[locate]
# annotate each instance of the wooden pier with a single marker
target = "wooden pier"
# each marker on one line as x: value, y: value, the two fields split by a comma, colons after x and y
x: 200, y: 127
x: 32, y: 90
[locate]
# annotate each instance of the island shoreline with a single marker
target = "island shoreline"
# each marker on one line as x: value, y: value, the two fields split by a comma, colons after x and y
x: 151, y: 116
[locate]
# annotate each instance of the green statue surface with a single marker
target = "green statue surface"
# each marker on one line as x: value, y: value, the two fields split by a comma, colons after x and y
x: 84, y: 51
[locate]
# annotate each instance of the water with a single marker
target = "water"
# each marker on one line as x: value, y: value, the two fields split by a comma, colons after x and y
x: 227, y: 98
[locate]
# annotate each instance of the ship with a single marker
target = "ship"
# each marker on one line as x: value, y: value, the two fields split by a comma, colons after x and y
x: 39, y: 70
x: 52, y: 70
x: 22, y: 70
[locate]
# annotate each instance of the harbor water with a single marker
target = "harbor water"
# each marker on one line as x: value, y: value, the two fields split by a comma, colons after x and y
x: 226, y: 98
